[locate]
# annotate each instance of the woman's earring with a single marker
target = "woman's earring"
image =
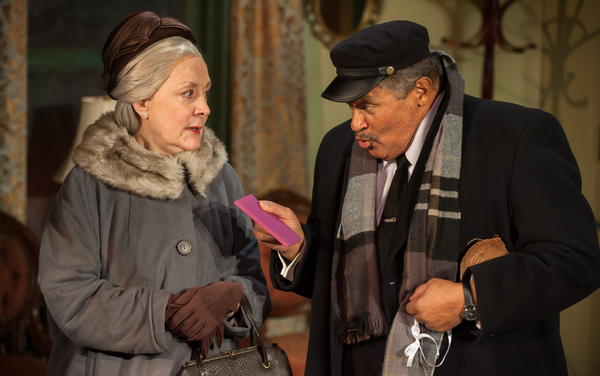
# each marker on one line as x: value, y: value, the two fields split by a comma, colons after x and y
x: 144, y: 115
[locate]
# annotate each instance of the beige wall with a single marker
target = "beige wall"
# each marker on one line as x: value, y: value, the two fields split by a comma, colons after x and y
x: 520, y: 78
x: 575, y: 102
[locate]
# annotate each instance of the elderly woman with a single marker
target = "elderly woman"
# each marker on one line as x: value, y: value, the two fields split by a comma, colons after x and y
x: 144, y: 250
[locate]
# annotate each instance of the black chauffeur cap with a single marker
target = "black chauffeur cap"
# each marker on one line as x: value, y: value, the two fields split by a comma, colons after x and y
x: 369, y: 55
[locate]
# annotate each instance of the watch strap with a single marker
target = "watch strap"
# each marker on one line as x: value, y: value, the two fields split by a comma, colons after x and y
x: 466, y: 282
x: 470, y: 310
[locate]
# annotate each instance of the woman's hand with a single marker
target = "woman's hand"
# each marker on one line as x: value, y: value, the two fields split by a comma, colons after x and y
x: 196, y: 315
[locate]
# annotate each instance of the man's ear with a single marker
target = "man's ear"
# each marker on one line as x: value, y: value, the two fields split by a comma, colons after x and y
x: 141, y: 107
x: 424, y: 91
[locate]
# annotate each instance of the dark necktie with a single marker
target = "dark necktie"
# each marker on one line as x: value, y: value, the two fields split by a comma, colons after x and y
x: 387, y: 224
x: 397, y: 188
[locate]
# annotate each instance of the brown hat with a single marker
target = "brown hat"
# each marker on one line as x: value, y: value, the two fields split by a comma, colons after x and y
x: 136, y: 32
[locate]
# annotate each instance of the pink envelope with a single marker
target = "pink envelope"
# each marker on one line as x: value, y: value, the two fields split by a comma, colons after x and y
x: 268, y: 221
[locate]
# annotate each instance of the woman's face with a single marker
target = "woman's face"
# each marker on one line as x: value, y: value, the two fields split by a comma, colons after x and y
x: 174, y: 117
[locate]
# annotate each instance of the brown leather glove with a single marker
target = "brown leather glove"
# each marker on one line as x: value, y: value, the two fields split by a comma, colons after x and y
x: 205, y: 342
x: 196, y: 315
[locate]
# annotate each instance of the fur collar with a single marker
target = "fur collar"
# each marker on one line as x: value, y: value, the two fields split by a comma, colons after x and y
x: 112, y: 155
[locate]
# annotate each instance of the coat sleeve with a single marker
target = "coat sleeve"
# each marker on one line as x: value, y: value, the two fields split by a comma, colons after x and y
x: 90, y: 310
x: 556, y: 260
x: 248, y: 267
x: 303, y: 273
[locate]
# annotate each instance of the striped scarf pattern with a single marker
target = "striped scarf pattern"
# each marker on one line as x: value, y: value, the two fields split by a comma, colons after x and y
x: 355, y: 286
x: 432, y: 247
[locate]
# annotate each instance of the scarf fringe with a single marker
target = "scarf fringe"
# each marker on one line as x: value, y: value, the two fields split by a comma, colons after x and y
x: 358, y: 329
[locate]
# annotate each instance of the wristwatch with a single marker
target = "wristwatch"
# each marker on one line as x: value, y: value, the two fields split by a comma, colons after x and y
x: 470, y: 312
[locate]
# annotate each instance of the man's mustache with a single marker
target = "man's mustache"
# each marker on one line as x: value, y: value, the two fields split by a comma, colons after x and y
x: 363, y: 136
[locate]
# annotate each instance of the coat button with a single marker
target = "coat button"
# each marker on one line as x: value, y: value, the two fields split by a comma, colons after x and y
x: 184, y: 247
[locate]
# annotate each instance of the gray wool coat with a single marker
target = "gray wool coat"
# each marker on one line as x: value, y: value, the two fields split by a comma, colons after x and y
x: 111, y: 252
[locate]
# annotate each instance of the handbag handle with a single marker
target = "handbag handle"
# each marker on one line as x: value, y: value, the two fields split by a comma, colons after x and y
x: 262, y: 350
x: 247, y: 308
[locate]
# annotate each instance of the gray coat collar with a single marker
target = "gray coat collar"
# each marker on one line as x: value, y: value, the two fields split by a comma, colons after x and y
x: 112, y: 155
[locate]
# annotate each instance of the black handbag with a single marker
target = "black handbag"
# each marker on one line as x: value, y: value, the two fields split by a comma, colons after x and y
x: 262, y: 359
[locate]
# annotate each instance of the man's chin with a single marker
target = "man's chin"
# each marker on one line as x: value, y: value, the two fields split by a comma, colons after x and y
x: 374, y: 152
x: 378, y: 154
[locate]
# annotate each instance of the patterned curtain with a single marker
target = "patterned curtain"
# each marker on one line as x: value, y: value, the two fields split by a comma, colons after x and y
x: 268, y: 115
x: 13, y: 107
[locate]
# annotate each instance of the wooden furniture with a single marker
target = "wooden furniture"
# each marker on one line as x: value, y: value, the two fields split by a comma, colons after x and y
x: 23, y: 336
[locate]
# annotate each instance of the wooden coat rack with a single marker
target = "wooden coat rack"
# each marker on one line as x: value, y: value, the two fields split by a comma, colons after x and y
x: 490, y: 34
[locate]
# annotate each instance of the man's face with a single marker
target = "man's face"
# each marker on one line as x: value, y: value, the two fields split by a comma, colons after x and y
x: 384, y: 124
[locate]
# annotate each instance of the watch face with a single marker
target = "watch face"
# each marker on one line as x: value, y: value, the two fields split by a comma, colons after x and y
x: 470, y: 313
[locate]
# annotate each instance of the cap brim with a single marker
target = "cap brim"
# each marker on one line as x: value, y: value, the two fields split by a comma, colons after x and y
x: 348, y: 89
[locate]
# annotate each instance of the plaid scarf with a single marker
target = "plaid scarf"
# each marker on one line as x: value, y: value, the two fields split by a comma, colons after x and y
x: 433, y: 237
x: 355, y: 289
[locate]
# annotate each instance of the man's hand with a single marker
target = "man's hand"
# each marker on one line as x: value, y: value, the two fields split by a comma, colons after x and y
x: 287, y: 216
x: 438, y: 304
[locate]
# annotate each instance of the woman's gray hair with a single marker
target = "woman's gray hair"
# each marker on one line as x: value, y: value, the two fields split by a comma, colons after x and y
x: 403, y: 81
x: 143, y: 75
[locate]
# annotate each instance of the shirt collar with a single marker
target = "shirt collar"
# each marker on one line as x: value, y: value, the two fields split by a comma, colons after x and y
x: 414, y: 149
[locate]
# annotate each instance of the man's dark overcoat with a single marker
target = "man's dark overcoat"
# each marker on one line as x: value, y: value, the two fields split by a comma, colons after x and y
x: 520, y: 181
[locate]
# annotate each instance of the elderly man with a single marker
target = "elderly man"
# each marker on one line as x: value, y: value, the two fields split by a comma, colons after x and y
x: 401, y: 191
